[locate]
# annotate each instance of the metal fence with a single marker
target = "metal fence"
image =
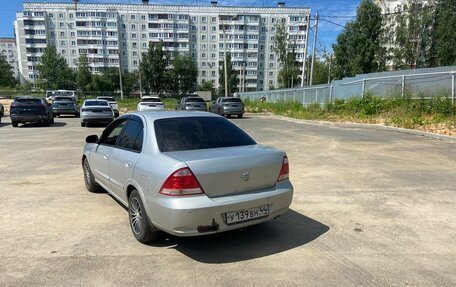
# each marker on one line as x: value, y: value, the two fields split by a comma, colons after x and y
x: 429, y: 82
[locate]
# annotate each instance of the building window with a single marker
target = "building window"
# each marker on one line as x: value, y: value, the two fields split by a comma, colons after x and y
x: 62, y: 25
x: 143, y: 27
x: 60, y: 16
x: 203, y: 19
x: 133, y: 17
x: 143, y: 17
x: 133, y: 35
x: 135, y: 63
x: 63, y: 43
x: 62, y: 34
x: 214, y: 19
x: 51, y: 15
x: 63, y: 52
x: 203, y: 28
x: 133, y: 26
x: 203, y: 55
x: 73, y: 52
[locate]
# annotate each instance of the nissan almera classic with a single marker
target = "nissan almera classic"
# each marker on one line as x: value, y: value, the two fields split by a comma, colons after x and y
x: 186, y: 173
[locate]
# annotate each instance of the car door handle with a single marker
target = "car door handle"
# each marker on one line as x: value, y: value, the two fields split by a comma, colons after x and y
x: 128, y: 164
x: 106, y: 156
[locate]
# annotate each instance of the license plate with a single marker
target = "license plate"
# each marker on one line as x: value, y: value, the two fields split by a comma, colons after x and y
x: 247, y: 214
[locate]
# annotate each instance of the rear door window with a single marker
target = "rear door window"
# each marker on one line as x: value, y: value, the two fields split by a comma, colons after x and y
x: 192, y: 133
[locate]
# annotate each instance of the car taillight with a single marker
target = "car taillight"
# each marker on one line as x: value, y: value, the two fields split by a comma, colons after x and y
x: 285, y: 170
x: 181, y: 182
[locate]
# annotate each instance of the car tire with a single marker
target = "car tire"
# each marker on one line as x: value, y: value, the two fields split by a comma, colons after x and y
x: 240, y: 116
x: 140, y: 225
x: 76, y: 115
x: 14, y: 124
x: 46, y: 122
x: 82, y: 124
x: 52, y: 120
x: 89, y: 179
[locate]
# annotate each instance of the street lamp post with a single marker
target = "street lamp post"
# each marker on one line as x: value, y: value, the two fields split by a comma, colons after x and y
x: 225, y: 58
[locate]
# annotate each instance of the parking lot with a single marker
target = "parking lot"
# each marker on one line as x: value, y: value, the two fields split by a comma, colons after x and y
x: 371, y: 207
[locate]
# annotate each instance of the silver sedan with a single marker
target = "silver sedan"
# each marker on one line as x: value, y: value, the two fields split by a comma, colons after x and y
x: 186, y: 173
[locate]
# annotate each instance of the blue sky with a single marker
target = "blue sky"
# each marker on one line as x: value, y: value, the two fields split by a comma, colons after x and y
x: 337, y: 10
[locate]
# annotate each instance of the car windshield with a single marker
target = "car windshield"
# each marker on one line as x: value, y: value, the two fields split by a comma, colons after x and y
x: 195, y: 100
x: 96, y: 103
x: 28, y: 101
x: 27, y: 110
x: 109, y: 99
x: 66, y: 99
x: 192, y: 133
x: 232, y: 100
x: 151, y: 100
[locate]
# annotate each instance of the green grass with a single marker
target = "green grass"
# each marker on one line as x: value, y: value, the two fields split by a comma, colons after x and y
x: 394, y: 111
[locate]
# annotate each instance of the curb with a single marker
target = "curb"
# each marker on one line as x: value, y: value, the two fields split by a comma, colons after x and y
x: 358, y: 125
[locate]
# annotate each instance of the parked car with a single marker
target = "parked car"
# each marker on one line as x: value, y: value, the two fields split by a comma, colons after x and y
x: 113, y: 103
x: 149, y: 103
x: 65, y: 106
x: 192, y: 103
x: 227, y: 106
x: 28, y: 109
x: 2, y: 112
x: 96, y: 111
x: 186, y: 174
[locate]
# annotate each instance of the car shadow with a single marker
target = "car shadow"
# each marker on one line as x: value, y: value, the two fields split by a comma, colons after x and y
x: 290, y: 231
x: 96, y: 125
x: 40, y: 125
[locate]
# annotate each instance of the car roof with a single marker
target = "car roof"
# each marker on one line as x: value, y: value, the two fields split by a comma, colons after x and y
x: 158, y: 115
x: 150, y: 97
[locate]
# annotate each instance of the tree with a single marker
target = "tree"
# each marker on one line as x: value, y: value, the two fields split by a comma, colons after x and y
x: 108, y: 81
x: 54, y: 72
x: 414, y: 37
x: 83, y: 74
x: 288, y: 75
x: 153, y: 68
x: 445, y: 36
x: 185, y: 73
x: 359, y: 48
x: 130, y: 82
x: 6, y: 73
x: 231, y: 75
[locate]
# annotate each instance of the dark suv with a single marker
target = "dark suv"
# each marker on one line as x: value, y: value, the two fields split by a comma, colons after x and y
x: 31, y: 110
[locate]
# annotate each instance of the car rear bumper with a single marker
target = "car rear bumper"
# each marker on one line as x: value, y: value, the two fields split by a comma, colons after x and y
x: 200, y: 215
x: 28, y: 118
x: 85, y: 118
x: 232, y: 111
x: 65, y: 111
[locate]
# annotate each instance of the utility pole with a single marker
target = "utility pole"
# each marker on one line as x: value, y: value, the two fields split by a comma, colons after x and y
x: 304, y: 60
x: 140, y: 81
x: 224, y: 62
x: 314, y: 48
x: 120, y: 78
x: 329, y: 70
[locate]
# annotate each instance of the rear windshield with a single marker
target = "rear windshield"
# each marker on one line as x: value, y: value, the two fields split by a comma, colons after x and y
x: 191, y: 133
x: 34, y: 110
x: 61, y: 99
x: 29, y: 101
x: 151, y: 100
x: 232, y: 100
x: 110, y: 99
x: 96, y: 103
x: 195, y: 100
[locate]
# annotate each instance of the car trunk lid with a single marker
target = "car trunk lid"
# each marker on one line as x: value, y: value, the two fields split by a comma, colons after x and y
x: 233, y: 170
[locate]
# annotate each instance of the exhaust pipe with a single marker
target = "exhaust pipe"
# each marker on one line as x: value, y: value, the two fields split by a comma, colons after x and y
x: 209, y: 228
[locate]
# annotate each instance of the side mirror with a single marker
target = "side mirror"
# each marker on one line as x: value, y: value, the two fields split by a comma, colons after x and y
x: 92, y: 139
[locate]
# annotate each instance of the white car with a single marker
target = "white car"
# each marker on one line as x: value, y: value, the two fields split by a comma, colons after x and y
x: 112, y: 102
x: 96, y: 111
x: 149, y: 103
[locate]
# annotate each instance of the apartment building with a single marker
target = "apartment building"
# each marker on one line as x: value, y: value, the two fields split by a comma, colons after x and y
x: 118, y: 34
x: 9, y: 50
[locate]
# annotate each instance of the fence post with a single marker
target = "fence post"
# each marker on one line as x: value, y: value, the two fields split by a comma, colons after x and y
x: 403, y: 86
x: 452, y: 88
x: 330, y: 93
x: 364, y: 88
x: 316, y: 96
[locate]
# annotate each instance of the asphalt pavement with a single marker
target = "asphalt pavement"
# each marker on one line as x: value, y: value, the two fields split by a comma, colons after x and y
x: 371, y: 207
